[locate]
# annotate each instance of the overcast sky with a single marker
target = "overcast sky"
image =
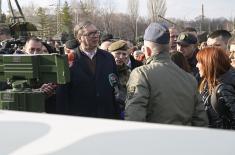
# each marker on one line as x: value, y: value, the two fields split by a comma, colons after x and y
x: 183, y: 9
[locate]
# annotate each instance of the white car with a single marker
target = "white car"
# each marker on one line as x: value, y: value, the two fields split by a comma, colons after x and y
x: 23, y: 133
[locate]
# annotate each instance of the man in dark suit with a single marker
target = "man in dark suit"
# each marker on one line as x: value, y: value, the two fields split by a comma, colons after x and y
x: 93, y: 79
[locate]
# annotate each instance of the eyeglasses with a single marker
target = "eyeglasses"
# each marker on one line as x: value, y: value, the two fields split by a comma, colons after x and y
x: 92, y: 34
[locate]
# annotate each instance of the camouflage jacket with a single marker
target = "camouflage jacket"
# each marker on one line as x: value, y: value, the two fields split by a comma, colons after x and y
x: 161, y: 92
x: 123, y: 74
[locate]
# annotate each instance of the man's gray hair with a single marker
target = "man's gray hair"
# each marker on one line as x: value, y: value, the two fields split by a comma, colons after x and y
x: 157, y: 48
x: 78, y: 29
x: 34, y: 39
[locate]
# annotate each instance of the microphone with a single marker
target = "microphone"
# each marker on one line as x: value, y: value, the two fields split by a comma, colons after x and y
x: 113, y: 80
x: 119, y: 98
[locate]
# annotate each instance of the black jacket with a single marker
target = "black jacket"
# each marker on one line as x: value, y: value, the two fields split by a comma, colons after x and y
x: 220, y: 106
x: 192, y: 63
x: 134, y: 63
x: 89, y: 94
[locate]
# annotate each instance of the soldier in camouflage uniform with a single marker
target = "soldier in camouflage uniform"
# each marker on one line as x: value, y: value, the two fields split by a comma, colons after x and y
x: 159, y: 91
x: 119, y: 50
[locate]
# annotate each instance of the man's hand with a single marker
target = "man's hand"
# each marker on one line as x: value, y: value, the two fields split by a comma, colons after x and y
x: 48, y: 88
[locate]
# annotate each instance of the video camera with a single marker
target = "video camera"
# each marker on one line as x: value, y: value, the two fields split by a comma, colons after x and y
x: 25, y: 71
x: 10, y: 46
x: 19, y: 32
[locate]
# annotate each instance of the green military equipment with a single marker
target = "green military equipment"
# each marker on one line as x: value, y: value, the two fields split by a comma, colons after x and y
x: 25, y: 72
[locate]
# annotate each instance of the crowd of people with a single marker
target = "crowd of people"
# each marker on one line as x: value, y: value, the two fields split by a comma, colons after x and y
x: 171, y: 77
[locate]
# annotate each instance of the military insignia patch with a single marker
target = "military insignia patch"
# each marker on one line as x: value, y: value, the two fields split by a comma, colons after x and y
x: 130, y: 92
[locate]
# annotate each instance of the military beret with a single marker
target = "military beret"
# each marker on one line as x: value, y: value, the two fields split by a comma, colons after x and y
x: 186, y: 38
x: 118, y: 45
x: 157, y: 33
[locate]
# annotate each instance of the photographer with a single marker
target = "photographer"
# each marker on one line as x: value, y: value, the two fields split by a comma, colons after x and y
x: 5, y: 33
x: 5, y: 38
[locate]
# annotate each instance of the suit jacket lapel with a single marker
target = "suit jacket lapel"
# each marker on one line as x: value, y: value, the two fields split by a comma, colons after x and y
x: 99, y: 64
x: 81, y: 63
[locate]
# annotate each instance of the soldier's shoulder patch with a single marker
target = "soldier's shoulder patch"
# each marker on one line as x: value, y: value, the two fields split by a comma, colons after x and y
x: 131, y: 91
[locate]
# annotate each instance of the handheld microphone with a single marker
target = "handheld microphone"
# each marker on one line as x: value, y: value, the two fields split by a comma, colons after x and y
x: 113, y: 80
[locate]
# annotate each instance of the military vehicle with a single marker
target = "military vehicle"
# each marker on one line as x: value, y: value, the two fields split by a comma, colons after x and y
x: 47, y: 134
x: 24, y: 73
x: 19, y: 29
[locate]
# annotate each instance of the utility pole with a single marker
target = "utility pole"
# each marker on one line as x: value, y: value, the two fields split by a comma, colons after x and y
x: 58, y: 20
x: 203, y: 16
x: 209, y: 27
x: 233, y: 24
x: 0, y: 10
x: 136, y: 28
x: 202, y: 19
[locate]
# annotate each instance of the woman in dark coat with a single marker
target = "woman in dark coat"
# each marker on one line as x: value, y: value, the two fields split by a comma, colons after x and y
x: 217, y: 87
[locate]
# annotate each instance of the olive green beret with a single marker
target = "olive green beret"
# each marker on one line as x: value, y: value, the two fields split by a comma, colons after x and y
x: 118, y: 45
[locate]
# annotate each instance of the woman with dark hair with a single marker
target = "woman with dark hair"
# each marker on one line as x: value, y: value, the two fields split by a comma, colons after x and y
x: 217, y: 87
x: 179, y: 59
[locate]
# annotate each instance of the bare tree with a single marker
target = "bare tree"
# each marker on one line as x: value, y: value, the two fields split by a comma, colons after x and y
x: 75, y: 5
x: 88, y: 8
x: 133, y: 10
x: 156, y: 8
x: 30, y: 11
x: 107, y: 14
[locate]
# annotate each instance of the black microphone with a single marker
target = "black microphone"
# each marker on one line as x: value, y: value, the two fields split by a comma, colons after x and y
x: 113, y: 80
